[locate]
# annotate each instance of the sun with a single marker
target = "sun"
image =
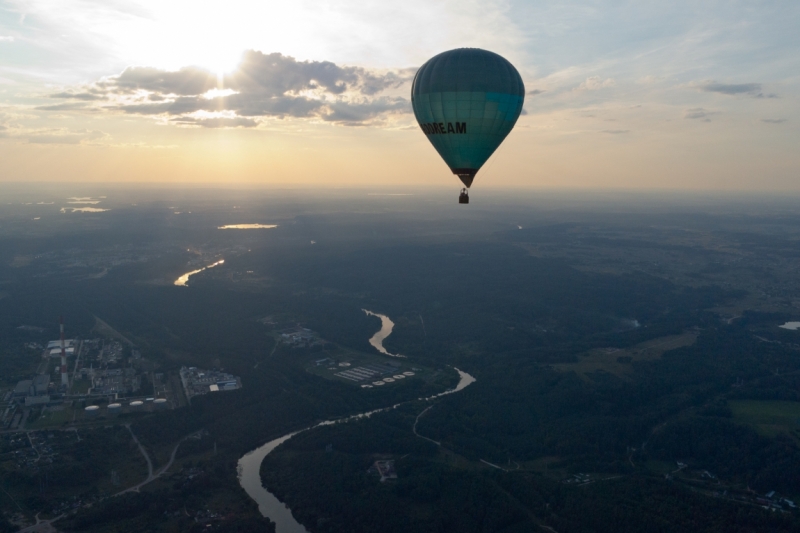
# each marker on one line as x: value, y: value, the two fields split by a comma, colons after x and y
x: 212, y: 35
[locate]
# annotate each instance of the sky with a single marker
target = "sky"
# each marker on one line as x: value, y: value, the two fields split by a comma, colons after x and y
x: 619, y: 95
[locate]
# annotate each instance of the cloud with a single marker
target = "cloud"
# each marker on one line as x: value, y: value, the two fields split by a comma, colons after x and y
x: 217, y: 122
x: 6, y: 39
x: 276, y: 74
x: 773, y: 120
x: 615, y: 132
x: 534, y: 92
x: 733, y: 89
x: 55, y: 139
x: 65, y: 137
x: 186, y: 81
x: 595, y: 83
x: 736, y: 88
x: 67, y: 106
x: 698, y: 113
x: 263, y: 85
x: 259, y: 105
x: 95, y: 95
x: 649, y: 80
x: 354, y: 113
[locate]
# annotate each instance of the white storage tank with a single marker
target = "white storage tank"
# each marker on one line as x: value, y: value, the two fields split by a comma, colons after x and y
x: 92, y: 410
x: 160, y: 403
x: 114, y: 408
x: 136, y: 405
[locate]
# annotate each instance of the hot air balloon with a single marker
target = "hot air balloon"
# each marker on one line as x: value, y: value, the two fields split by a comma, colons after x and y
x: 467, y: 101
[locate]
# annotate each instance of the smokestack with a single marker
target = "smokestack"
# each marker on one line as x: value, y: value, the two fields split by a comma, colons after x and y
x: 64, y: 379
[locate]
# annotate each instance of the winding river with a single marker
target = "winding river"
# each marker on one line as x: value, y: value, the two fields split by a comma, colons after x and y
x: 386, y: 329
x: 249, y: 466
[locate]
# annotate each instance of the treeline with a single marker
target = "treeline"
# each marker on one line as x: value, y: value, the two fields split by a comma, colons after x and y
x: 494, y: 298
x: 323, y: 476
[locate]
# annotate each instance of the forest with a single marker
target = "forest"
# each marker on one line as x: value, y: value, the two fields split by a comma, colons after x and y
x: 529, y: 445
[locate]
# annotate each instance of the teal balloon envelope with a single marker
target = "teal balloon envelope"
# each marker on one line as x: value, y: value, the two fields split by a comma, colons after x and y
x: 467, y: 101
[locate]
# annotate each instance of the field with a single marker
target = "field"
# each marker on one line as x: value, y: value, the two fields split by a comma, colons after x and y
x: 768, y: 417
x: 53, y: 417
x: 618, y: 361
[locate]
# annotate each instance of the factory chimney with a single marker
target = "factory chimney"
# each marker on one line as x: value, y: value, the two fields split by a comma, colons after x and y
x: 64, y: 379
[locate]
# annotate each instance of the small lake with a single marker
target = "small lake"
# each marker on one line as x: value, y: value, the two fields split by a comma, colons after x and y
x: 183, y: 280
x: 248, y: 226
x: 791, y: 325
x: 84, y: 209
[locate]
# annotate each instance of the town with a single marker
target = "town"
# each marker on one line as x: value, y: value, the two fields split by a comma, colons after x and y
x: 80, y: 379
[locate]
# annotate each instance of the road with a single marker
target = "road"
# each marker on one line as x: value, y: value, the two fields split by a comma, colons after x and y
x: 42, y: 526
x: 150, y: 475
x: 415, y: 427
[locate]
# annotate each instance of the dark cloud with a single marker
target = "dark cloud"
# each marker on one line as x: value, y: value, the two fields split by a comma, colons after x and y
x: 773, y: 120
x: 178, y: 106
x: 221, y: 122
x: 257, y: 105
x: 534, y: 92
x: 263, y: 85
x: 276, y: 74
x: 732, y: 89
x: 698, y: 113
x: 184, y: 82
x: 357, y: 113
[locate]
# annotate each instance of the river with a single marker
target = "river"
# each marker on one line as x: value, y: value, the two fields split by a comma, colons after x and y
x: 183, y: 280
x: 249, y: 466
x: 386, y: 329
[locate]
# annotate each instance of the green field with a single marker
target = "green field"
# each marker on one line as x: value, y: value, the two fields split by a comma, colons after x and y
x: 617, y: 361
x: 768, y: 417
x: 81, y: 386
x: 52, y: 418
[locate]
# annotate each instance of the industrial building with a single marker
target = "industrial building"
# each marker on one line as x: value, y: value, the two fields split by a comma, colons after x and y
x: 33, y: 391
x: 23, y: 388
x: 68, y: 344
x: 37, y: 386
x: 198, y: 381
x: 56, y: 352
x: 300, y: 337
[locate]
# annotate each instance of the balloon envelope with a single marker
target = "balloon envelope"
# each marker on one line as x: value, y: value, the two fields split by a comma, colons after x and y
x: 467, y: 101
